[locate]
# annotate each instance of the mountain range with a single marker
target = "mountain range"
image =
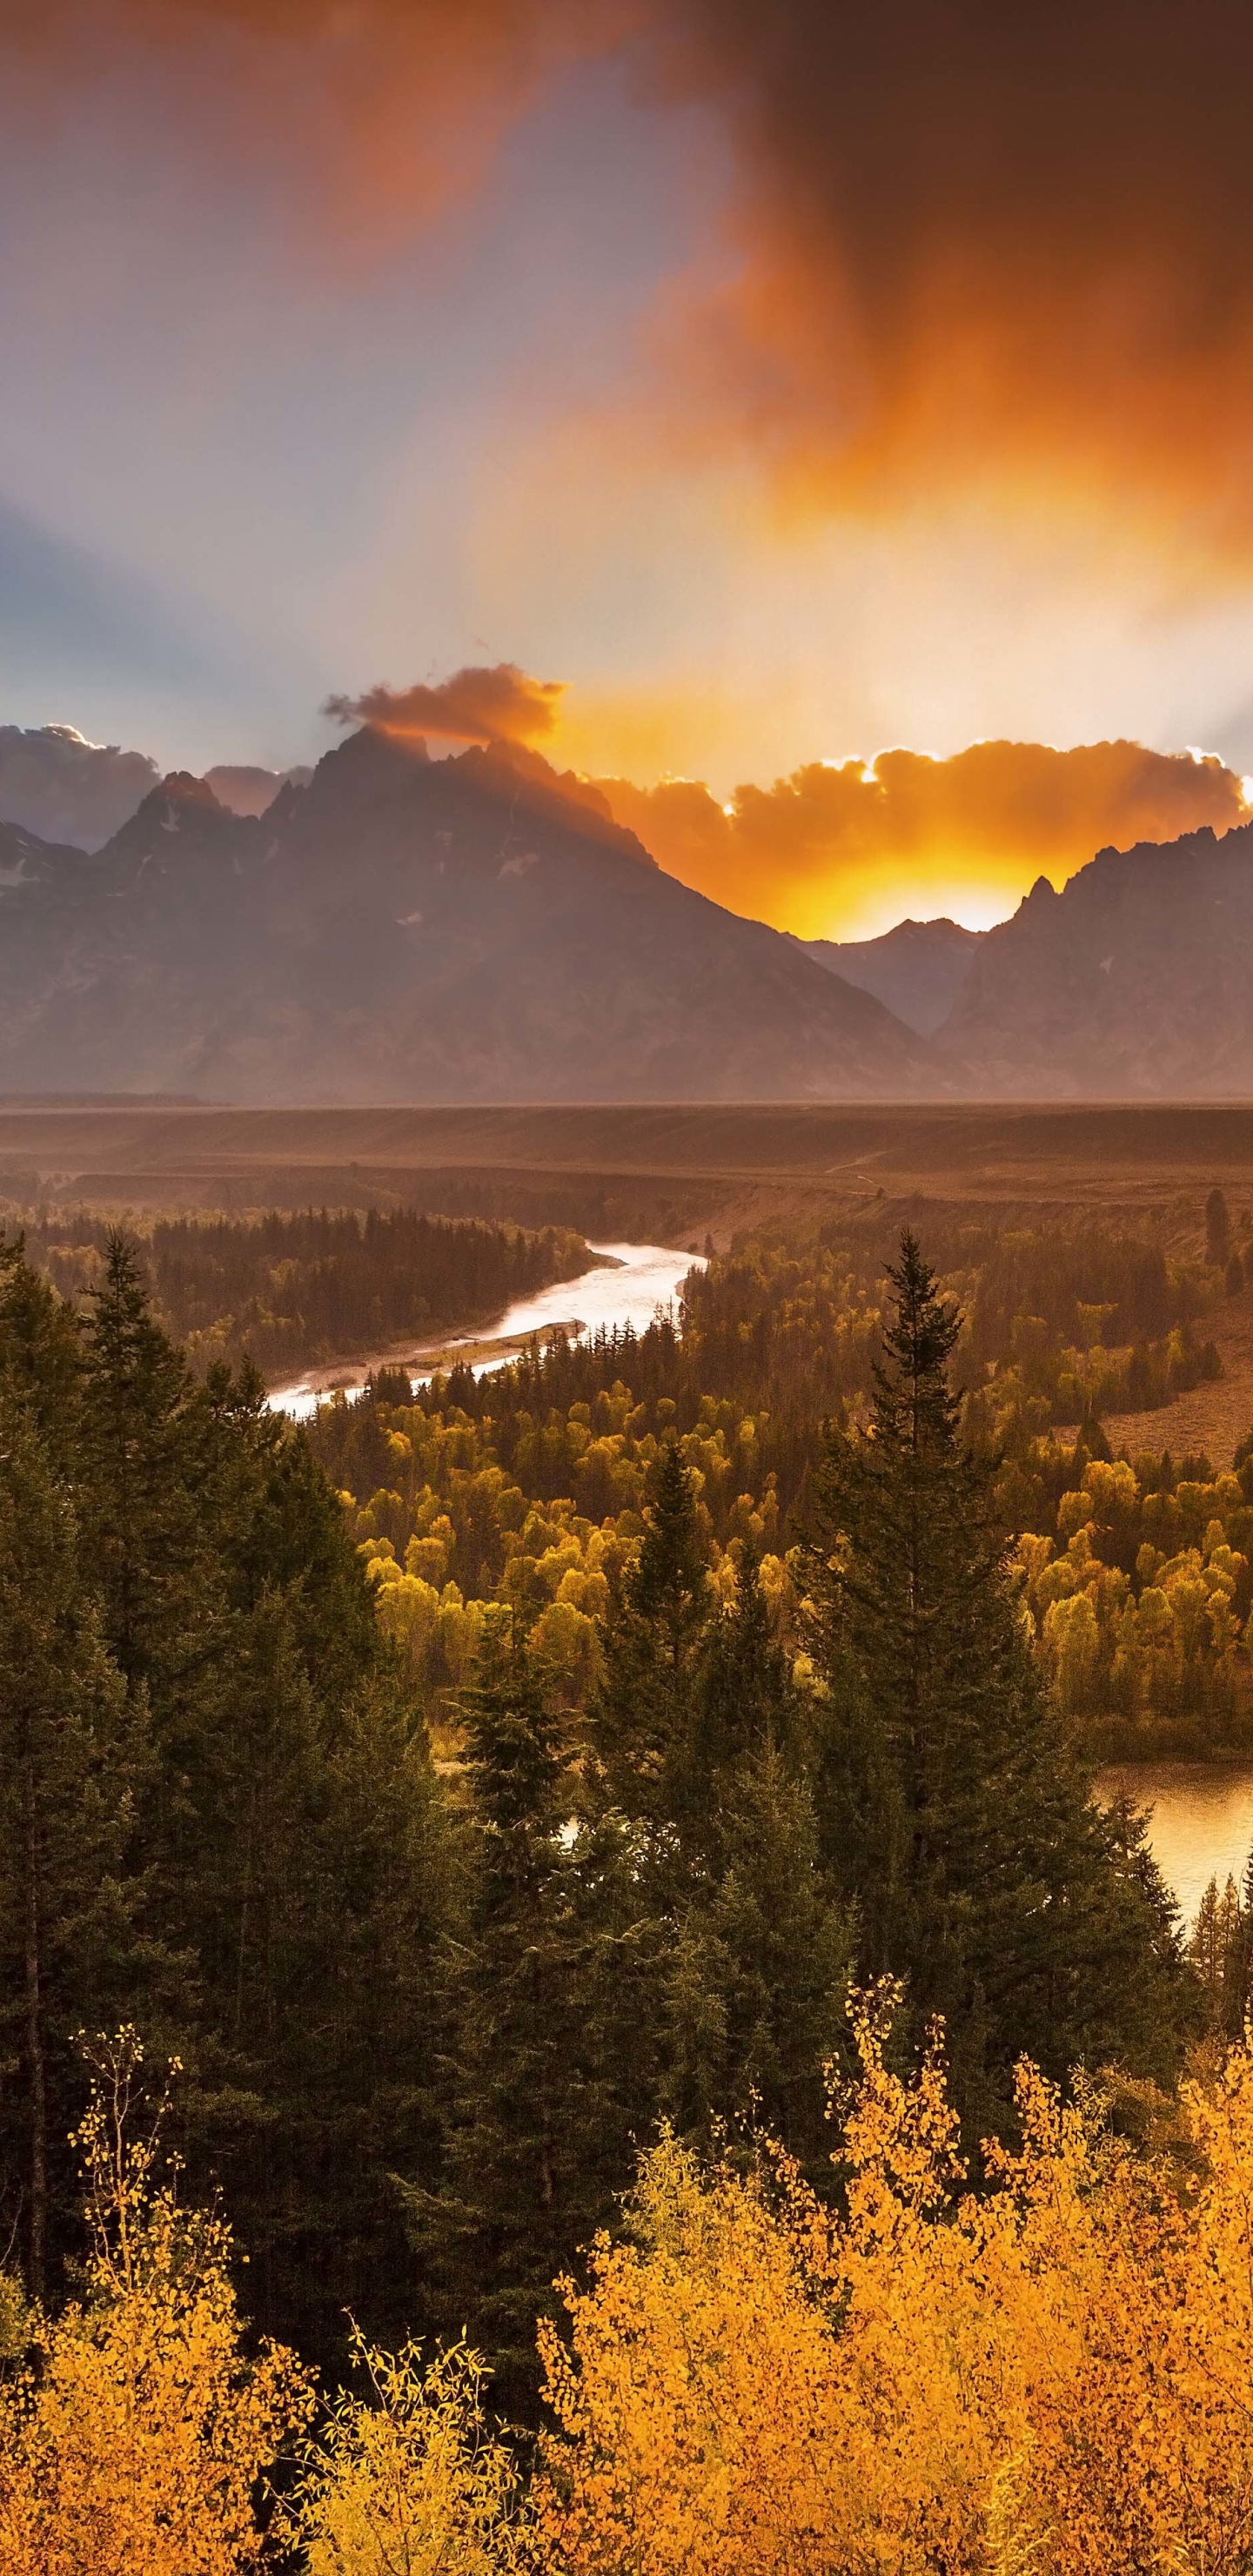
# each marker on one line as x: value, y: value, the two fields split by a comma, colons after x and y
x: 918, y: 968
x: 1133, y: 982
x: 402, y: 929
x: 395, y: 928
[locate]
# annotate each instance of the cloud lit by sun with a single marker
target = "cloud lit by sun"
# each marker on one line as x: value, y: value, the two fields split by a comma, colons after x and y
x: 748, y: 368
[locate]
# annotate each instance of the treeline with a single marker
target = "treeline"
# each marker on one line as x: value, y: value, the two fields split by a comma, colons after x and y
x: 1136, y: 1576
x: 1083, y: 1318
x: 218, y: 1817
x: 527, y: 1488
x: 294, y: 1292
x: 1048, y: 2371
x: 425, y: 2018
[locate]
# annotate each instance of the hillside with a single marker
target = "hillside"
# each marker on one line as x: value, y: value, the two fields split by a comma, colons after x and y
x: 1133, y: 982
x: 918, y: 968
x: 411, y: 930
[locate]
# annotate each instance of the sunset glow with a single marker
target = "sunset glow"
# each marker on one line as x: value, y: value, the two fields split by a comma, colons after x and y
x: 761, y: 409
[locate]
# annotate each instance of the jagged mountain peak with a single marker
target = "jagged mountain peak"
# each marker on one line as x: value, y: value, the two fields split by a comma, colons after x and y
x: 1132, y: 982
x: 407, y: 929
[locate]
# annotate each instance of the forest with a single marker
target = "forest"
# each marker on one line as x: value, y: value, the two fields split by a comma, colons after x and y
x: 526, y: 1489
x: 292, y: 1292
x: 567, y: 2003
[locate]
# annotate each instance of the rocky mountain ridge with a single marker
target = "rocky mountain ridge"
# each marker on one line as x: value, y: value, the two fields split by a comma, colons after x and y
x: 402, y: 929
x: 1133, y: 983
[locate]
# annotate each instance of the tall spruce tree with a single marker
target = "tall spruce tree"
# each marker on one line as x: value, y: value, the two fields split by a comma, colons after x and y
x: 956, y: 1814
x: 73, y: 1764
x: 642, y: 1723
x: 757, y: 1978
x: 179, y: 1585
x: 762, y: 1947
x: 41, y: 1358
x: 553, y: 2013
x: 145, y: 1478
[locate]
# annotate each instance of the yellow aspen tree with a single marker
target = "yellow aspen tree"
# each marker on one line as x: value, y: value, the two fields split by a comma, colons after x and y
x: 132, y: 2443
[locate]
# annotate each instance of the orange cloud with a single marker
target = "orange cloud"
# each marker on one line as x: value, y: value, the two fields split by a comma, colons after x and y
x: 373, y: 114
x: 1002, y: 249
x: 999, y: 248
x: 842, y: 852
x: 495, y: 703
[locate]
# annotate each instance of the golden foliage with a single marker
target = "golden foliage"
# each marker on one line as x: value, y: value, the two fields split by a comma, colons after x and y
x: 1044, y: 2376
x: 131, y: 2442
x: 410, y: 2483
x: 1050, y: 2374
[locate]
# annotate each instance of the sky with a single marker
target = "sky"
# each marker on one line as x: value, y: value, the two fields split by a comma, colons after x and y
x: 796, y: 397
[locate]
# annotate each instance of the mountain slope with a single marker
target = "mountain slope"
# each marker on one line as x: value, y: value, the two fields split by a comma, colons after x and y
x: 1133, y: 982
x: 917, y: 969
x: 404, y: 929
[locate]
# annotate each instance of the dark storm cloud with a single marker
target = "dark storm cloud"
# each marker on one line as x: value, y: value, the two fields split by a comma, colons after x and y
x: 496, y: 703
x: 977, y: 237
x: 976, y: 241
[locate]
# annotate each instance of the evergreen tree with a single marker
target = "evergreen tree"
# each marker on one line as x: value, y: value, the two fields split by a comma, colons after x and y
x: 955, y: 1813
x: 553, y: 2013
x: 656, y: 1632
x: 296, y: 1876
x: 72, y: 1759
x: 279, y: 1527
x: 41, y: 1357
x: 757, y: 1985
x: 323, y: 1888
x: 742, y: 1704
x: 145, y: 1474
x: 761, y: 1947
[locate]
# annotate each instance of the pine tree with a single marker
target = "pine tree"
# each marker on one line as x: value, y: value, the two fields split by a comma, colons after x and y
x: 145, y: 1475
x: 319, y: 1886
x: 757, y: 1986
x: 655, y: 1636
x: 549, y: 1999
x: 956, y: 1815
x: 1238, y: 1975
x: 279, y: 1527
x: 236, y: 1608
x: 1210, y: 1943
x: 41, y: 1356
x: 761, y: 1946
x: 72, y: 1760
x: 743, y: 1703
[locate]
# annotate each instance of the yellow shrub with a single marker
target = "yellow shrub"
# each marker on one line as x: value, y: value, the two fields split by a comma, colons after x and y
x: 1052, y: 2375
x: 410, y: 2483
x: 132, y: 2444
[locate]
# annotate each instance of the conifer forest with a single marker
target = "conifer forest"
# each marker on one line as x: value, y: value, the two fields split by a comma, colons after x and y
x: 568, y: 2003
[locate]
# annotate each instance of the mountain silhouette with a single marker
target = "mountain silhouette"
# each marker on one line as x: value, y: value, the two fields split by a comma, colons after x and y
x: 918, y: 968
x: 404, y: 929
x: 1133, y: 982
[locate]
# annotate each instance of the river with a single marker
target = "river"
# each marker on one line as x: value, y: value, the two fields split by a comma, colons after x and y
x: 1201, y: 1822
x: 642, y: 1278
x: 1201, y: 1813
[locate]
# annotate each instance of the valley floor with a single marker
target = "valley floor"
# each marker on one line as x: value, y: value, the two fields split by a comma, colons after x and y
x: 1214, y: 1416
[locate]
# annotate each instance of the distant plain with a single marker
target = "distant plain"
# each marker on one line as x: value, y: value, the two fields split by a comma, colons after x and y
x: 679, y: 1174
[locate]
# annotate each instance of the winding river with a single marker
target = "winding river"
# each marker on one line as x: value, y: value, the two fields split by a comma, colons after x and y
x: 636, y: 1279
x: 1201, y: 1814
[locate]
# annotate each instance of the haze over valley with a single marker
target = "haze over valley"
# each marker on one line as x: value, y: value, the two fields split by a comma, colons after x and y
x: 394, y: 927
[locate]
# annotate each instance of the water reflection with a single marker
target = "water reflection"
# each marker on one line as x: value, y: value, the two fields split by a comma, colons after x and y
x: 637, y: 1279
x: 1201, y: 1824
